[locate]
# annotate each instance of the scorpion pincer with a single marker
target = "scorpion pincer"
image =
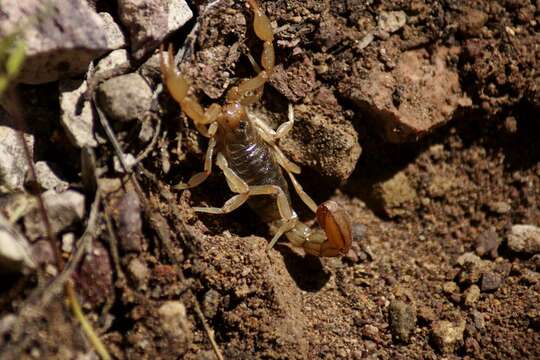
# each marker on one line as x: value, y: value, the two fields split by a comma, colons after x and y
x: 250, y: 159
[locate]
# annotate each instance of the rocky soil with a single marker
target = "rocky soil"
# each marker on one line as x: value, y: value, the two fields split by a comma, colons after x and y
x: 421, y: 118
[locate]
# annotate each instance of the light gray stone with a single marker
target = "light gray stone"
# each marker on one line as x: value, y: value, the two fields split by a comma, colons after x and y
x: 128, y: 158
x: 15, y: 252
x: 77, y: 117
x: 391, y: 21
x: 113, y: 34
x: 13, y: 162
x: 139, y: 273
x: 447, y: 335
x: 60, y: 43
x: 64, y: 209
x: 125, y: 98
x: 48, y: 179
x: 117, y: 60
x: 524, y: 239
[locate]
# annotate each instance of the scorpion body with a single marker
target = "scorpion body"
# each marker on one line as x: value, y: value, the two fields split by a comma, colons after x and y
x: 250, y: 159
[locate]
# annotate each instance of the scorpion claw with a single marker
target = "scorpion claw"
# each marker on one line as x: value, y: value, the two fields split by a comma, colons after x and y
x: 337, y: 225
x: 175, y: 82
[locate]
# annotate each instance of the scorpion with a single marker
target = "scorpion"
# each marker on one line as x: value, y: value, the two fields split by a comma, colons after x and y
x: 250, y: 159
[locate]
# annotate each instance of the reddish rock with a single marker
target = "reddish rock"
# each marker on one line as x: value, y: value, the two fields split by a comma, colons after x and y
x: 149, y: 22
x: 471, y: 21
x: 94, y: 276
x: 420, y: 94
x: 296, y: 81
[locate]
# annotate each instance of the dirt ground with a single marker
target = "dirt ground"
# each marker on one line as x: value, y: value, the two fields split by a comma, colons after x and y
x: 435, y: 174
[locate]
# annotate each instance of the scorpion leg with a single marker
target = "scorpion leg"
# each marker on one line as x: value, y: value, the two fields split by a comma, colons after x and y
x: 290, y: 167
x: 263, y: 30
x: 270, y: 135
x: 336, y: 239
x: 248, y: 100
x: 198, y: 178
x: 236, y: 184
x: 244, y: 191
x: 300, y: 191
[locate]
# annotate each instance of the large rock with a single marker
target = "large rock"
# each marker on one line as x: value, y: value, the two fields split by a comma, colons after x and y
x: 421, y: 93
x: 296, y: 81
x: 61, y: 37
x: 47, y: 177
x: 125, y: 98
x: 322, y: 140
x: 150, y: 21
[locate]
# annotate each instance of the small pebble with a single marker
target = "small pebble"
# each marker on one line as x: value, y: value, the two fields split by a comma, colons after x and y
x: 426, y: 314
x: 500, y: 207
x: 129, y: 160
x: 471, y: 295
x: 67, y: 242
x: 471, y: 21
x: 450, y: 287
x: 402, y: 320
x: 130, y: 222
x: 370, y: 332
x: 468, y: 258
x: 472, y: 268
x: 479, y: 321
x: 447, y: 336
x: 51, y: 270
x: 487, y: 243
x: 15, y: 251
x: 524, y: 239
x: 536, y: 261
x: 391, y: 21
x: 125, y: 98
x: 94, y: 277
x: 211, y: 303
x: 138, y: 272
x: 174, y: 322
x: 490, y: 281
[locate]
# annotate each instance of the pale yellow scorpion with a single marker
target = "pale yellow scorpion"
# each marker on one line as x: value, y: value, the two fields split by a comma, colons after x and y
x: 250, y: 159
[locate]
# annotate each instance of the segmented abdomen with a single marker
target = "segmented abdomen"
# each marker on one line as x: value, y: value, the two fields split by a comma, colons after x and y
x: 254, y: 162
